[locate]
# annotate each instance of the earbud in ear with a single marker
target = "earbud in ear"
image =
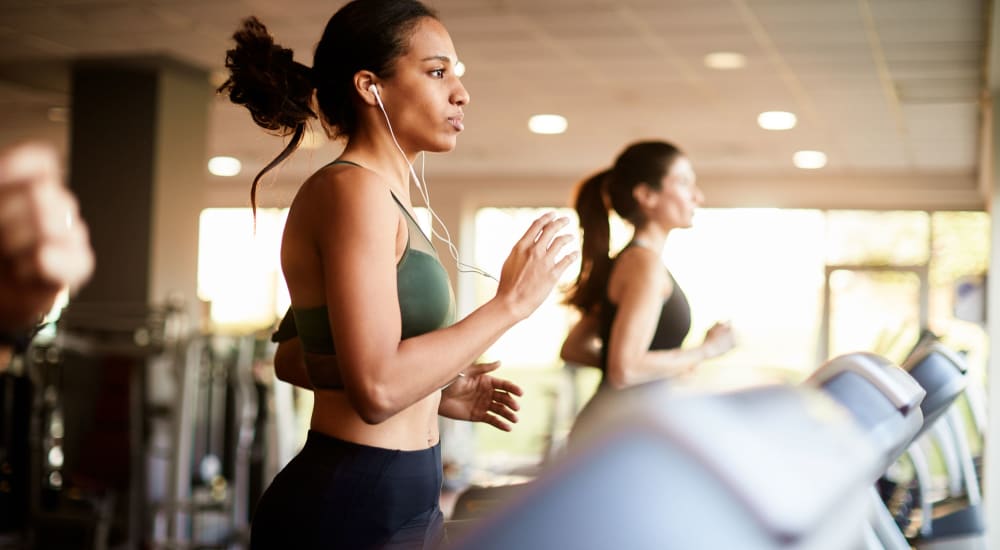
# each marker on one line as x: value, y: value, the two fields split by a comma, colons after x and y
x: 373, y: 89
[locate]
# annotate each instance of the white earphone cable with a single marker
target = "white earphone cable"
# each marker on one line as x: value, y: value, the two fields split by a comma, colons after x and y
x: 425, y: 195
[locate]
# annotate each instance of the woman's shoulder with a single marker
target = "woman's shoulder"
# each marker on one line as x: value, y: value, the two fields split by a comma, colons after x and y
x: 344, y: 188
x: 640, y: 259
x: 640, y: 265
x: 344, y: 181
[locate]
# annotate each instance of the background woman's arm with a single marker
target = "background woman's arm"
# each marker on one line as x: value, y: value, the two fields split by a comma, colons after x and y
x: 582, y: 344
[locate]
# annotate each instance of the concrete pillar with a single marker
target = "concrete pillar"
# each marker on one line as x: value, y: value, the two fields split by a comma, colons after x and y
x: 138, y: 144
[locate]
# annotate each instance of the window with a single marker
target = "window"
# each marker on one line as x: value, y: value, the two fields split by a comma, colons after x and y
x: 767, y: 271
x: 239, y: 267
x: 877, y: 238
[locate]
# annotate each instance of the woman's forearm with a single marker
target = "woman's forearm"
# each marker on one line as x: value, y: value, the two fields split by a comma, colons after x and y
x: 582, y: 345
x: 290, y: 365
x: 654, y: 365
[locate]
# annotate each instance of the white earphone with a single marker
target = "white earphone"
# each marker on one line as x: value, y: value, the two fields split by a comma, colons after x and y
x: 446, y: 238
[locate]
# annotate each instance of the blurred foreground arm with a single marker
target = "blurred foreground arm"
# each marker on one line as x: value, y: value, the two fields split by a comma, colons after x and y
x: 44, y: 245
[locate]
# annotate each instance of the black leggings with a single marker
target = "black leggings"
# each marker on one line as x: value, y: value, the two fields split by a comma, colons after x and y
x: 338, y: 494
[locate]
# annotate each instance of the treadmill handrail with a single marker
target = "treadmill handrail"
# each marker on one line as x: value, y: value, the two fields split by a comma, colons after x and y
x: 935, y: 347
x: 899, y: 387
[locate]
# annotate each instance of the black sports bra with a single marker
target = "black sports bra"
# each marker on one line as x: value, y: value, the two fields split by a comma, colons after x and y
x: 671, y: 329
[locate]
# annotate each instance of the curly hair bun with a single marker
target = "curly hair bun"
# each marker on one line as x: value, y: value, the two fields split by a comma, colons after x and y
x: 264, y: 78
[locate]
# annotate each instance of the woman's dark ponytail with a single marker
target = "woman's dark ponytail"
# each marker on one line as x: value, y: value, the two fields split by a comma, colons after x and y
x: 641, y: 163
x: 276, y: 89
x: 592, y: 208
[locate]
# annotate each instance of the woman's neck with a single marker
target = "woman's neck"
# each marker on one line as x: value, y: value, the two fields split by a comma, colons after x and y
x: 379, y: 154
x: 650, y: 237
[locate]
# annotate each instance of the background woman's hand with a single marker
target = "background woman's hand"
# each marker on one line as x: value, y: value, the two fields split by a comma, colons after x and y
x: 718, y: 340
x: 479, y: 397
x: 533, y: 266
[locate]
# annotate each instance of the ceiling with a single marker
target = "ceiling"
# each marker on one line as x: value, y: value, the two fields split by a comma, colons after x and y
x: 888, y: 89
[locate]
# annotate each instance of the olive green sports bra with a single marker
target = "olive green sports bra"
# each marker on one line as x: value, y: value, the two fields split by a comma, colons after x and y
x: 426, y: 302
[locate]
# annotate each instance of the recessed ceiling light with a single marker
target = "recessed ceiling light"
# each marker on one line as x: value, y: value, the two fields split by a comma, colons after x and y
x: 809, y: 160
x: 224, y: 166
x: 724, y: 61
x: 547, y: 124
x: 776, y: 120
x: 460, y: 69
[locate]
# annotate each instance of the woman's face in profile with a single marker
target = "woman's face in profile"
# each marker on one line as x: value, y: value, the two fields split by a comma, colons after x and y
x: 679, y: 195
x: 424, y: 98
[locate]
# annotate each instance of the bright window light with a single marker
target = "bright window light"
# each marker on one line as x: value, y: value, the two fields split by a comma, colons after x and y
x: 725, y: 60
x: 239, y: 269
x: 809, y: 160
x: 460, y: 69
x: 313, y: 139
x: 547, y: 124
x: 535, y: 341
x: 239, y: 266
x: 776, y: 120
x: 224, y: 166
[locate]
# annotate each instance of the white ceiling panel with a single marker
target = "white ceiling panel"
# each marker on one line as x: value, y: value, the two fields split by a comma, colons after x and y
x: 883, y: 86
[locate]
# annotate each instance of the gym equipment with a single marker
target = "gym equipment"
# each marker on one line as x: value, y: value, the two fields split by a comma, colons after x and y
x: 91, y: 422
x: 16, y: 391
x: 885, y: 402
x: 661, y: 470
x: 141, y: 435
x: 943, y: 374
x: 214, y: 426
x: 476, y: 501
x: 881, y: 396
